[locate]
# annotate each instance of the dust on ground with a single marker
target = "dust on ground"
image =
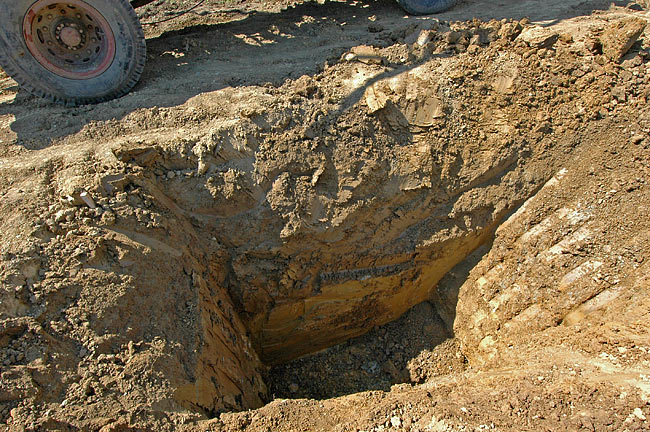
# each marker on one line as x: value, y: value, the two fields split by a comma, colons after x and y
x: 289, y: 178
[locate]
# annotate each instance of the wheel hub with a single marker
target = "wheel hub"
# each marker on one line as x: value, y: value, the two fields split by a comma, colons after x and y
x: 70, y: 39
x: 70, y: 35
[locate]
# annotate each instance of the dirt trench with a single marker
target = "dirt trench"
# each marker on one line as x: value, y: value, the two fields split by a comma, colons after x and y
x: 158, y: 260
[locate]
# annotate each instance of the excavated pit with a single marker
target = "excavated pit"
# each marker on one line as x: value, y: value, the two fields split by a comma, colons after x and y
x: 301, y: 228
x: 311, y: 220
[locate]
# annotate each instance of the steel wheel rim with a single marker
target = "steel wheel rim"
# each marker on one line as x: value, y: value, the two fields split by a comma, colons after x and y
x: 69, y: 38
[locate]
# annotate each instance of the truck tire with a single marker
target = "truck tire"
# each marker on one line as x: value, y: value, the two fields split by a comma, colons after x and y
x: 426, y: 7
x: 72, y: 52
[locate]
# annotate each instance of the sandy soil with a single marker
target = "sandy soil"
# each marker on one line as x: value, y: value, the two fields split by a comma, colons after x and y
x: 336, y: 217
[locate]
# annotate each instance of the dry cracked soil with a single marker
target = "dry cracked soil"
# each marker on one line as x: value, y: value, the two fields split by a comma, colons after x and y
x: 331, y: 216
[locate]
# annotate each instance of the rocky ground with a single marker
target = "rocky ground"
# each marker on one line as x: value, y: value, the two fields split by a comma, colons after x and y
x: 337, y: 217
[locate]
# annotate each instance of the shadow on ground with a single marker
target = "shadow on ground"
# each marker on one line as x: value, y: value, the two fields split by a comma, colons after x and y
x: 262, y: 49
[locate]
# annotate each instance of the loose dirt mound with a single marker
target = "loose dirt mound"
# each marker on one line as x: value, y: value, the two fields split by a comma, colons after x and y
x: 283, y: 181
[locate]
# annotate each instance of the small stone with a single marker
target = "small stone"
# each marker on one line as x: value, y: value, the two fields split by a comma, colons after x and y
x: 424, y: 37
x: 538, y: 37
x: 395, y: 421
x: 202, y: 167
x: 171, y: 175
x: 87, y: 199
x: 636, y: 139
x: 130, y: 349
x: 639, y: 414
x: 366, y: 54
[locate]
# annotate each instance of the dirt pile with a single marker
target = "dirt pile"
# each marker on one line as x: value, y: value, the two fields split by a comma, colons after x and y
x: 156, y: 259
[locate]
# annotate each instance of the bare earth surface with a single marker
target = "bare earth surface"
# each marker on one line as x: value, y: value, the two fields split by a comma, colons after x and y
x: 336, y: 217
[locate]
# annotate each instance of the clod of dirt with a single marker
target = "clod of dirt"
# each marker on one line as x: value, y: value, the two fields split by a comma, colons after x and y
x: 619, y: 37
